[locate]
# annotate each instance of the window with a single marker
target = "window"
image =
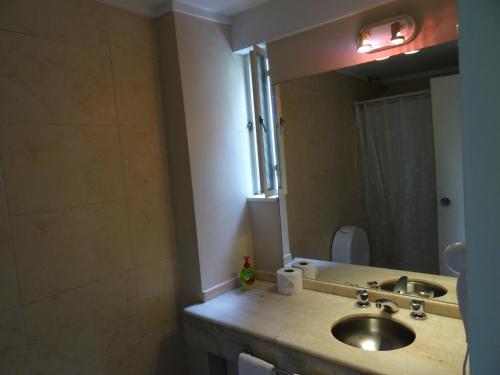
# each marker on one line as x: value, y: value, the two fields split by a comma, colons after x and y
x: 266, y: 127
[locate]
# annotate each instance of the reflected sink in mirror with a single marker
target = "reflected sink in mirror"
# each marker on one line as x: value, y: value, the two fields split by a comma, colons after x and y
x: 373, y: 333
x: 438, y: 288
x: 416, y: 288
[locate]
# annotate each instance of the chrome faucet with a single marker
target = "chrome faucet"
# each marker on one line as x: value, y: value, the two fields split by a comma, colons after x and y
x: 388, y: 306
x: 401, y: 286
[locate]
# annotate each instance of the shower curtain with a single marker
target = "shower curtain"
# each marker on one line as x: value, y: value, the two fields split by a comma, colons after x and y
x: 396, y: 160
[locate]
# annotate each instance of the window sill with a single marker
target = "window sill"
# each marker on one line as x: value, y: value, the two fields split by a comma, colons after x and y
x: 262, y: 198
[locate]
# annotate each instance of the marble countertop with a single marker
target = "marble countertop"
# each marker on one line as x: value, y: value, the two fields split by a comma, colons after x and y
x: 303, y: 322
x: 347, y: 274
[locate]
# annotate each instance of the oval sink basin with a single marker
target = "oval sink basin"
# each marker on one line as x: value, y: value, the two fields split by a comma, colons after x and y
x: 416, y: 288
x: 373, y: 333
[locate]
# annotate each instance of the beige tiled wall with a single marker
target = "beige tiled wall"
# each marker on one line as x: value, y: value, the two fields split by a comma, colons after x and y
x: 87, y: 248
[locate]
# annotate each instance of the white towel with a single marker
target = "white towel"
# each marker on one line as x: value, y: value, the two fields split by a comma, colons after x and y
x: 248, y: 365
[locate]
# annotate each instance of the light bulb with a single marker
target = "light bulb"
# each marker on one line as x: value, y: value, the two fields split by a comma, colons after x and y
x: 396, y: 37
x: 364, y: 45
x: 365, y: 48
x: 399, y: 39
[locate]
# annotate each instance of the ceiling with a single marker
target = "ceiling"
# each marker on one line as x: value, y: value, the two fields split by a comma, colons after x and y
x: 254, y: 21
x: 224, y: 7
x: 429, y: 62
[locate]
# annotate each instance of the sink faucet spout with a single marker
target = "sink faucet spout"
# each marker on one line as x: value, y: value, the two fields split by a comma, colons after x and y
x: 401, y: 286
x: 388, y: 306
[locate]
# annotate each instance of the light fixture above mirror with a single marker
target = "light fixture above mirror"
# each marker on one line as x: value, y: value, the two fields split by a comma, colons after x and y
x: 385, y: 34
x: 364, y: 44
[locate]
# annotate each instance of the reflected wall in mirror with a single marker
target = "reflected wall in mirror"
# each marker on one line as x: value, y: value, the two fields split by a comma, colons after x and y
x: 375, y: 150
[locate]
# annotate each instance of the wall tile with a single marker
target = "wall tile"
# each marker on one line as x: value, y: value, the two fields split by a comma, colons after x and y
x: 62, y: 62
x: 50, y: 167
x: 8, y: 283
x: 13, y: 350
x: 132, y: 33
x: 43, y: 81
x: 163, y: 352
x: 63, y: 249
x: 145, y: 162
x: 125, y: 361
x: 151, y: 228
x: 155, y: 353
x: 138, y: 91
x: 78, y: 21
x: 72, y: 330
x: 156, y: 295
x: 3, y: 202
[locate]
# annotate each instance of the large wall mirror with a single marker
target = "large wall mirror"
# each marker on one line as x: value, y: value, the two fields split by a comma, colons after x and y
x: 374, y: 172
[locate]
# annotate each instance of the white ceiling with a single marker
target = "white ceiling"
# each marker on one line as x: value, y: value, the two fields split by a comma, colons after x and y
x: 254, y: 21
x: 224, y: 7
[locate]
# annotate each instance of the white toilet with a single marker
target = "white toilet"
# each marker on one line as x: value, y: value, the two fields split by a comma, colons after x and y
x: 350, y: 245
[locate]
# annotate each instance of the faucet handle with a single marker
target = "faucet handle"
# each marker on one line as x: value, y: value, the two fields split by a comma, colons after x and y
x: 362, y: 296
x: 417, y: 309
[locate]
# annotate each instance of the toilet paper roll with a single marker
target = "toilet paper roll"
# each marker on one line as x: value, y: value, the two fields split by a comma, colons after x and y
x: 289, y: 280
x: 309, y: 270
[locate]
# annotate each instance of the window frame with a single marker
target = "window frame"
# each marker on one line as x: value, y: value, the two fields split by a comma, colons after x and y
x: 267, y: 136
x: 282, y: 187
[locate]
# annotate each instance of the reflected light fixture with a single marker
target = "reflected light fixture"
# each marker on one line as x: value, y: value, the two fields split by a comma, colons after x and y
x: 396, y: 36
x: 369, y: 345
x: 412, y: 52
x: 364, y: 45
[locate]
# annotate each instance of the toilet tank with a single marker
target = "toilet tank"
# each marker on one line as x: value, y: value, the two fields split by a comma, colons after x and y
x: 350, y: 245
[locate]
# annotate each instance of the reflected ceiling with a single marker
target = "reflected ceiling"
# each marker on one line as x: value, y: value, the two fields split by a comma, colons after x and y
x: 429, y: 62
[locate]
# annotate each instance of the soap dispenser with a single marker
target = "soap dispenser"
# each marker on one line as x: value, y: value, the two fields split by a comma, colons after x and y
x: 247, y: 275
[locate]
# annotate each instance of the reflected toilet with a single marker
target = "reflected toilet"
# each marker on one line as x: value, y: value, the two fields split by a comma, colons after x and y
x: 350, y: 245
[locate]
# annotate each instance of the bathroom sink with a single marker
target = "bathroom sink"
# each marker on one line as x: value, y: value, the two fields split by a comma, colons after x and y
x: 373, y: 333
x: 416, y: 288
